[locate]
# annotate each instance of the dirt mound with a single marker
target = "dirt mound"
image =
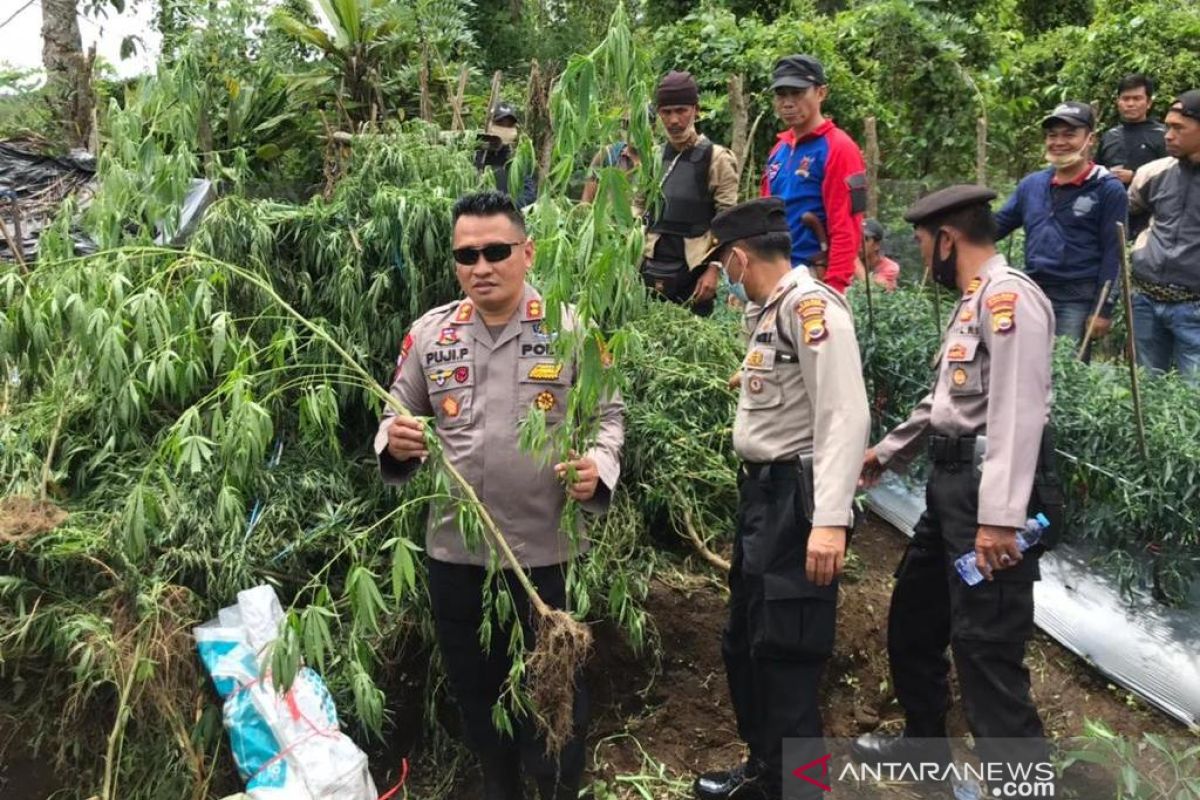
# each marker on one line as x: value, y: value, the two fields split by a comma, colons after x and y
x: 23, y: 518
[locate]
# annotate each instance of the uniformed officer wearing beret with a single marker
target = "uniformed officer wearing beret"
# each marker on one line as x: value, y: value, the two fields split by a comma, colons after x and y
x: 801, y: 424
x: 982, y: 425
x: 477, y: 366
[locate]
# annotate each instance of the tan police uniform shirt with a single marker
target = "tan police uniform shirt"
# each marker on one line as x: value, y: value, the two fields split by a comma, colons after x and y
x: 993, y: 379
x: 723, y: 175
x: 477, y: 390
x: 802, y: 391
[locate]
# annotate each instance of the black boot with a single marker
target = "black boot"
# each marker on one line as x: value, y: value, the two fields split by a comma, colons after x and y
x: 876, y: 748
x: 501, y: 775
x: 746, y: 781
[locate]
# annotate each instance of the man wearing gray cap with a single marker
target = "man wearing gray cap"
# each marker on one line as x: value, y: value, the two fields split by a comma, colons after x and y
x: 497, y: 146
x: 983, y: 426
x: 1070, y: 212
x: 801, y: 422
x: 699, y: 179
x: 1166, y: 256
x: 818, y: 171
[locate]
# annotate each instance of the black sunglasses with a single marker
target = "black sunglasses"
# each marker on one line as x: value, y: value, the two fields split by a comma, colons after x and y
x: 493, y: 253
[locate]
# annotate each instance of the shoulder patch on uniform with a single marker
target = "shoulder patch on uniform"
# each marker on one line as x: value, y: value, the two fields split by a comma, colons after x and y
x: 1003, y: 307
x: 465, y: 313
x: 405, y: 349
x: 811, y: 311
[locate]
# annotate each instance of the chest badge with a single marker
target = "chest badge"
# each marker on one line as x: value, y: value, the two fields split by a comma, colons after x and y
x: 448, y: 336
x: 804, y: 170
x: 956, y: 352
x: 544, y: 401
x: 754, y: 385
x: 966, y: 316
x: 959, y: 376
x: 545, y: 372
x: 451, y: 407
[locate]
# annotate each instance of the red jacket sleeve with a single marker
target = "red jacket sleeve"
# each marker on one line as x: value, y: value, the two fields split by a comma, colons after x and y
x: 845, y: 161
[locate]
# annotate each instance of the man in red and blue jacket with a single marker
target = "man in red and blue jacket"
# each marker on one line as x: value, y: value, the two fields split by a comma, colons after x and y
x: 818, y: 171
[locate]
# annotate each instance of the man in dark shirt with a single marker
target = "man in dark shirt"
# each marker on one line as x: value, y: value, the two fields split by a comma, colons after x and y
x: 1138, y: 139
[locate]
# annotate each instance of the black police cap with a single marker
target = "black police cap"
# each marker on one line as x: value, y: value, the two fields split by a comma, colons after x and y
x: 943, y: 201
x: 751, y: 218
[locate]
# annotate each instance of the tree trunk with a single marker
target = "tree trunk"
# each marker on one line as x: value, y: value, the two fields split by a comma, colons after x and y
x: 739, y: 109
x: 68, y: 70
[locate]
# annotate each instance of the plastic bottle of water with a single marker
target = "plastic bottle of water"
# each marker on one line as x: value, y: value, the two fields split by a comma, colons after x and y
x: 1026, y: 538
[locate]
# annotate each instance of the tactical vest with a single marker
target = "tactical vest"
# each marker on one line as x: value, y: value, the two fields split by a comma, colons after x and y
x: 688, y: 206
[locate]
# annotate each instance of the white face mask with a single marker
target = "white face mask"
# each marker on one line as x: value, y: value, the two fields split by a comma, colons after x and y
x: 1068, y: 160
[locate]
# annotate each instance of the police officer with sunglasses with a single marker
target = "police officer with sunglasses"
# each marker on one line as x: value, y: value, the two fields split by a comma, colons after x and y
x: 476, y: 367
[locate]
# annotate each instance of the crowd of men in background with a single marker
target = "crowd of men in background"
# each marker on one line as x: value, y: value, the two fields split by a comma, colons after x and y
x: 1138, y: 173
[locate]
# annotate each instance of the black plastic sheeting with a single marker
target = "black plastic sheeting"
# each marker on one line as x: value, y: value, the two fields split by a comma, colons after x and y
x: 32, y: 187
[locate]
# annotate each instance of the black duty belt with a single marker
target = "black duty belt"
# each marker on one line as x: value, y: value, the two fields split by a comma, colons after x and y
x: 775, y: 469
x: 951, y: 449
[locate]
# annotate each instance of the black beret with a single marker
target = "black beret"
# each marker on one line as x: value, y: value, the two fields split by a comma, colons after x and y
x: 751, y: 218
x: 943, y: 201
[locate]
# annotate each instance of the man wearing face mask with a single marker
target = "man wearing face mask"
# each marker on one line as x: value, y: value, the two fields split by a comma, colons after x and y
x: 700, y: 178
x: 984, y: 426
x: 496, y: 149
x: 1070, y: 212
x: 801, y: 422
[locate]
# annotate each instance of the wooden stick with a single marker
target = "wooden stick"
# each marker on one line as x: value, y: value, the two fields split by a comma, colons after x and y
x: 872, y: 169
x: 423, y: 81
x: 739, y: 110
x: 1130, y: 343
x: 494, y: 97
x: 456, y: 102
x: 1091, y: 328
x: 981, y: 136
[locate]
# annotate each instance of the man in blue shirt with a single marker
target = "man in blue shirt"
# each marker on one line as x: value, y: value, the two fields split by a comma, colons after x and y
x: 1070, y: 213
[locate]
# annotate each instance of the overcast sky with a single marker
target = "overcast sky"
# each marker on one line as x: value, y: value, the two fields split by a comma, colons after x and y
x: 21, y: 39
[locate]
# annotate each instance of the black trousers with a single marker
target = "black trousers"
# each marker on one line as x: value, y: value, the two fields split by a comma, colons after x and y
x: 781, y: 627
x: 986, y: 627
x: 476, y: 677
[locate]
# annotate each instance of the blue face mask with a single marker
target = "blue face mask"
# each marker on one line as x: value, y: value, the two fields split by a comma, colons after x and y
x: 738, y: 288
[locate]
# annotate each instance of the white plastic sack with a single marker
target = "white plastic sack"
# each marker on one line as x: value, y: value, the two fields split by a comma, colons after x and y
x: 287, y: 747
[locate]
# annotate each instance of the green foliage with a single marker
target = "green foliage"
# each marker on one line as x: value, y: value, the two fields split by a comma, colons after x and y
x: 368, y: 70
x: 1141, y: 770
x: 1041, y: 17
x: 1154, y: 38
